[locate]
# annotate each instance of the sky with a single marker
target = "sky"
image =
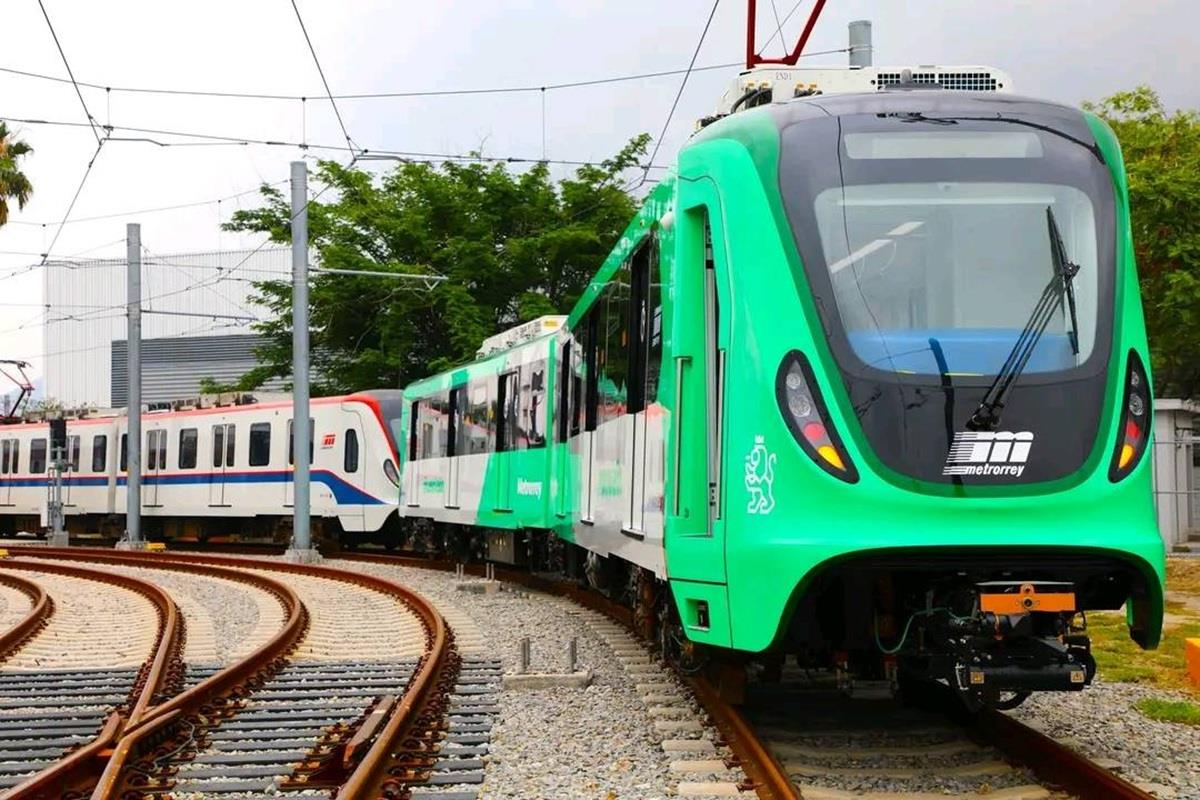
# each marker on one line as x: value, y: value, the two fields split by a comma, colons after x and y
x: 1065, y: 50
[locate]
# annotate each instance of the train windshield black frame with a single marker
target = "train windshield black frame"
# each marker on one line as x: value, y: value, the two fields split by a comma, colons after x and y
x: 925, y: 243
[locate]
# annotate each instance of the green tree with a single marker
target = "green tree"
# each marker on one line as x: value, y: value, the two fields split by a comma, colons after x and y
x: 13, y: 183
x: 513, y: 246
x: 1162, y: 157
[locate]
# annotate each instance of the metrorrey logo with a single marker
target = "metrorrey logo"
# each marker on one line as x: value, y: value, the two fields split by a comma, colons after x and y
x: 760, y: 477
x: 988, y: 453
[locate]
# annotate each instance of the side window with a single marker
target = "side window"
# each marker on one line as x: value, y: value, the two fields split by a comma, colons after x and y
x: 188, y: 441
x: 508, y: 400
x: 292, y: 442
x: 230, y: 440
x: 260, y: 444
x: 414, y: 430
x: 533, y: 404
x: 218, y: 458
x: 73, y: 453
x: 37, y: 456
x: 458, y: 436
x: 591, y: 371
x: 162, y: 449
x: 5, y: 454
x: 350, y: 457
x: 613, y: 346
x: 654, y: 324
x: 562, y: 420
x: 99, y: 453
x: 151, y: 450
x: 16, y: 459
x: 124, y: 460
x: 479, y: 421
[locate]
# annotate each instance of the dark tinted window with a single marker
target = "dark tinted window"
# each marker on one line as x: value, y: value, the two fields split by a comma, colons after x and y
x: 478, y: 423
x: 350, y: 457
x: 260, y: 444
x: 188, y: 441
x: 99, y: 453
x: 218, y: 445
x: 124, y: 460
x: 508, y: 402
x: 37, y: 456
x: 16, y: 455
x: 73, y: 453
x: 5, y: 453
x: 292, y: 442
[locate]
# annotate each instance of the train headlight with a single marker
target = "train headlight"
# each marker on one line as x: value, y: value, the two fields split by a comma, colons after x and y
x: 389, y: 469
x: 806, y: 416
x: 1135, y: 420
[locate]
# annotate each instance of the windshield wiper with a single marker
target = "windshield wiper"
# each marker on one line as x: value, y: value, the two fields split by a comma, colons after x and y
x: 1060, y: 288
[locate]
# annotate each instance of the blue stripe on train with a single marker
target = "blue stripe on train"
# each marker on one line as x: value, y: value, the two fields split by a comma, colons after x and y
x: 344, y: 493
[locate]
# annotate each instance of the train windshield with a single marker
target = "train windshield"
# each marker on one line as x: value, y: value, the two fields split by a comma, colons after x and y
x: 933, y: 239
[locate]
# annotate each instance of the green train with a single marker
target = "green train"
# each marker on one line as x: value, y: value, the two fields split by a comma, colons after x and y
x: 864, y: 383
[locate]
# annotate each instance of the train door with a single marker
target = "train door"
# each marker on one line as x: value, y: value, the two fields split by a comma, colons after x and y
x: 412, y: 481
x: 645, y: 360
x: 695, y: 523
x: 155, y: 461
x: 507, y: 417
x: 223, y: 441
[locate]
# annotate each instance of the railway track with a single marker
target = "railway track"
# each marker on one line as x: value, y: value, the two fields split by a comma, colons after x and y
x: 994, y: 756
x: 360, y: 690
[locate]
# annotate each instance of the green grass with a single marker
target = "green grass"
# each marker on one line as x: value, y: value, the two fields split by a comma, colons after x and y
x: 1180, y: 711
x: 1120, y: 659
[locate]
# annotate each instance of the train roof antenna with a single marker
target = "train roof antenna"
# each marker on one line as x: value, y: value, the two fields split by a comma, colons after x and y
x: 754, y: 58
x: 13, y: 414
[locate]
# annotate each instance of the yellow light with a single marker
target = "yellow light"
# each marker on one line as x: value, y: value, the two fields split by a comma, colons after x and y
x: 1126, y: 456
x: 829, y: 454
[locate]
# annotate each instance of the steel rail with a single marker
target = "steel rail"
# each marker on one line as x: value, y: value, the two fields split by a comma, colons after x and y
x: 769, y: 779
x: 159, y: 668
x: 370, y: 775
x: 41, y: 607
x: 1053, y: 762
x: 128, y: 740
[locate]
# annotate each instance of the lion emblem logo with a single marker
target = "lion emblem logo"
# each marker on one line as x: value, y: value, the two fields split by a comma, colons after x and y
x: 760, y: 476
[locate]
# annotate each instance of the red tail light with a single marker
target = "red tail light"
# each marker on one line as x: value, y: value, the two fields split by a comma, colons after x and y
x: 807, y: 417
x: 1135, y: 418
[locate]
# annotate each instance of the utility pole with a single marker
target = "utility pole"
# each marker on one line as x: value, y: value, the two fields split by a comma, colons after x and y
x: 301, y: 549
x: 133, y: 406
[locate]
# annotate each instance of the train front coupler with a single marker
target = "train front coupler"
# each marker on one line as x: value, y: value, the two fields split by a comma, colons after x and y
x: 1019, y: 638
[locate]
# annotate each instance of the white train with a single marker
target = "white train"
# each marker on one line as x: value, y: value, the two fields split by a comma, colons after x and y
x: 215, y: 471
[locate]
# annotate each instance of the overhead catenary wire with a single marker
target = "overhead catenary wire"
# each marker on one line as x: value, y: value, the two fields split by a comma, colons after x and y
x: 62, y: 53
x: 682, y: 84
x: 324, y: 82
x: 400, y: 94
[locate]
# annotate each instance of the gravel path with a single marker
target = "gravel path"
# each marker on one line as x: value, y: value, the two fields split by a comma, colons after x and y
x: 14, y: 604
x: 599, y: 742
x: 1101, y: 722
x: 94, y: 624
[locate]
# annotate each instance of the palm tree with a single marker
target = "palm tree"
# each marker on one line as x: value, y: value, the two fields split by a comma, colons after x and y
x: 13, y: 183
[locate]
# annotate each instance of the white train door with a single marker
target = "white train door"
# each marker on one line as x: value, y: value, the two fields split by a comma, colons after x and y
x: 223, y: 440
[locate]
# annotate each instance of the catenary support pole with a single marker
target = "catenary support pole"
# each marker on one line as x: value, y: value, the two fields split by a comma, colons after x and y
x: 133, y: 406
x: 302, y: 549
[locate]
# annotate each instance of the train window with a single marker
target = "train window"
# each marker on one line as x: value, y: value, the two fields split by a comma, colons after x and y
x: 533, y: 405
x: 292, y: 442
x: 189, y: 440
x: 562, y: 419
x: 16, y: 457
x: 73, y: 453
x: 638, y: 290
x: 260, y: 444
x: 507, y: 405
x: 591, y: 378
x: 99, y: 453
x: 218, y: 446
x: 5, y: 454
x: 37, y: 456
x: 151, y: 450
x: 230, y: 437
x: 478, y: 419
x: 654, y: 324
x: 613, y: 346
x: 454, y: 424
x: 124, y: 460
x: 414, y: 418
x: 350, y: 457
x: 162, y: 449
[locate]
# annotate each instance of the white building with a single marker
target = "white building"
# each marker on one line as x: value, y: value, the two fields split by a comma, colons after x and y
x: 206, y: 295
